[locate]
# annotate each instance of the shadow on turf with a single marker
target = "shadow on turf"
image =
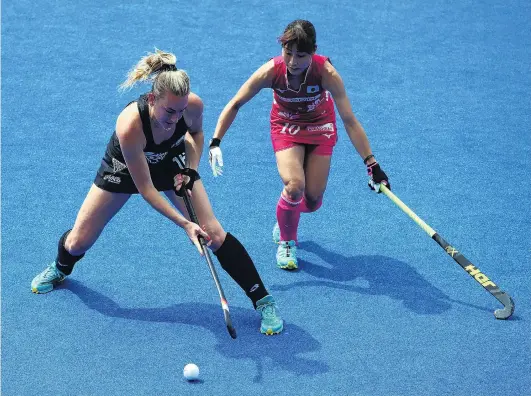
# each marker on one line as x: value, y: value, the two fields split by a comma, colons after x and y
x: 283, y: 350
x: 384, y: 275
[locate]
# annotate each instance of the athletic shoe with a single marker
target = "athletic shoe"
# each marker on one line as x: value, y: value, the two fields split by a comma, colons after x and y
x: 272, y: 323
x: 276, y: 234
x: 287, y: 255
x: 45, y: 281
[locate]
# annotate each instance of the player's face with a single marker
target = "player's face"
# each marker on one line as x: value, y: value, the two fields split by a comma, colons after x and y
x: 296, y: 62
x: 168, y: 109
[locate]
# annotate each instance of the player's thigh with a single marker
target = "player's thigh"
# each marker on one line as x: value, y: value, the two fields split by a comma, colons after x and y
x: 290, y: 164
x: 317, y: 169
x: 203, y: 210
x: 97, y: 210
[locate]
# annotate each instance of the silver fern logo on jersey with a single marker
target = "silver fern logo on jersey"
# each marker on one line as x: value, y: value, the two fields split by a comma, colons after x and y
x: 117, y: 166
x: 154, y: 158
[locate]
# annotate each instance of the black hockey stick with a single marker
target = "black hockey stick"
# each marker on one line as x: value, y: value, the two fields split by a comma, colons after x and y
x: 472, y: 270
x: 191, y: 212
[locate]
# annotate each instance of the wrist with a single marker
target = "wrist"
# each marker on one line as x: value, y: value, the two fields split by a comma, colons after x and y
x: 215, y: 142
x: 369, y: 160
x: 181, y: 221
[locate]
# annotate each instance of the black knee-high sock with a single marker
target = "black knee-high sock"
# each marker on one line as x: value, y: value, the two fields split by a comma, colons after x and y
x: 65, y: 261
x: 236, y: 261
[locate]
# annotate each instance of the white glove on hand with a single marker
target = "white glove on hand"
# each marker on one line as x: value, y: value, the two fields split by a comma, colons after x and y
x: 215, y: 158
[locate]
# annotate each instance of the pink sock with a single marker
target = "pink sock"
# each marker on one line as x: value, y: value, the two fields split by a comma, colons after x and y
x: 303, y: 207
x: 288, y: 215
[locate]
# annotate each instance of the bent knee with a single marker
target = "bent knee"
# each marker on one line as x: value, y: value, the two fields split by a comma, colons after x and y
x: 313, y: 203
x: 216, y: 233
x: 294, y: 189
x: 78, y: 242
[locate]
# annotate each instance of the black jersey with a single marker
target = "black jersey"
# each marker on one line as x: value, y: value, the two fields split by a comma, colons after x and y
x: 163, y: 159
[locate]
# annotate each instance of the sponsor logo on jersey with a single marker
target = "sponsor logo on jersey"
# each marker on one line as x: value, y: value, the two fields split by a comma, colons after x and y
x: 154, y: 158
x: 112, y: 179
x: 329, y: 127
x: 312, y: 89
x: 313, y: 106
x: 287, y: 115
x: 303, y: 99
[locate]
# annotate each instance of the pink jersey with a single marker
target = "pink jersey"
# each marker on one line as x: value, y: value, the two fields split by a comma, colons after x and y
x: 306, y: 115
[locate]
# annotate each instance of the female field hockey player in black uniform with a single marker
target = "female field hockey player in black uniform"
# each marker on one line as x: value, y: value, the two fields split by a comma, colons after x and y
x: 155, y: 136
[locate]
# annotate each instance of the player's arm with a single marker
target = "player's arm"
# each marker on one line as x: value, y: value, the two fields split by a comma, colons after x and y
x: 333, y: 83
x: 261, y: 78
x: 132, y: 142
x: 194, y: 139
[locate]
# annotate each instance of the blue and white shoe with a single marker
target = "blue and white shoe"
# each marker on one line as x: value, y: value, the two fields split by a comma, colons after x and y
x: 271, y: 323
x: 287, y: 255
x: 276, y: 234
x: 47, y: 279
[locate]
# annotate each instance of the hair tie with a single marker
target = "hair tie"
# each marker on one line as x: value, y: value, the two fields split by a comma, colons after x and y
x: 167, y: 67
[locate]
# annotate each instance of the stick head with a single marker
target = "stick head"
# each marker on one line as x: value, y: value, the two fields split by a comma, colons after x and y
x: 507, y: 310
x: 228, y: 322
x: 232, y: 332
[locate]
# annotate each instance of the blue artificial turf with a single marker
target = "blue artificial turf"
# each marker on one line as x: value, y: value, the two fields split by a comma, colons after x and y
x: 443, y: 89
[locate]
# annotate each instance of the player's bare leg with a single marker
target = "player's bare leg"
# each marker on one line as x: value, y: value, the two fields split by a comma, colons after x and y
x: 96, y: 211
x: 290, y: 163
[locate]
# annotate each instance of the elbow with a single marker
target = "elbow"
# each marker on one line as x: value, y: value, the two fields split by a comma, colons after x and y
x: 351, y: 123
x: 351, y: 120
x: 235, y: 105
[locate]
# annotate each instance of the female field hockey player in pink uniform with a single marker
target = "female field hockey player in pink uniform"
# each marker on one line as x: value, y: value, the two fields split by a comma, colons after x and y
x: 303, y: 129
x: 155, y: 136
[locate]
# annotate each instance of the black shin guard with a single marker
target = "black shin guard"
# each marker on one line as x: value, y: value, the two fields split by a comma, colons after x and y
x: 65, y: 261
x: 236, y: 261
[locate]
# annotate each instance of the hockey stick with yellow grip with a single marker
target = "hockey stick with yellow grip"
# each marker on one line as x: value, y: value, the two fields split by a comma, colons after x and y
x: 472, y: 270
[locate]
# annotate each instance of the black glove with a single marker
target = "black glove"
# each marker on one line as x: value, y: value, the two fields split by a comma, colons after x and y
x: 186, y: 181
x: 377, y: 176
